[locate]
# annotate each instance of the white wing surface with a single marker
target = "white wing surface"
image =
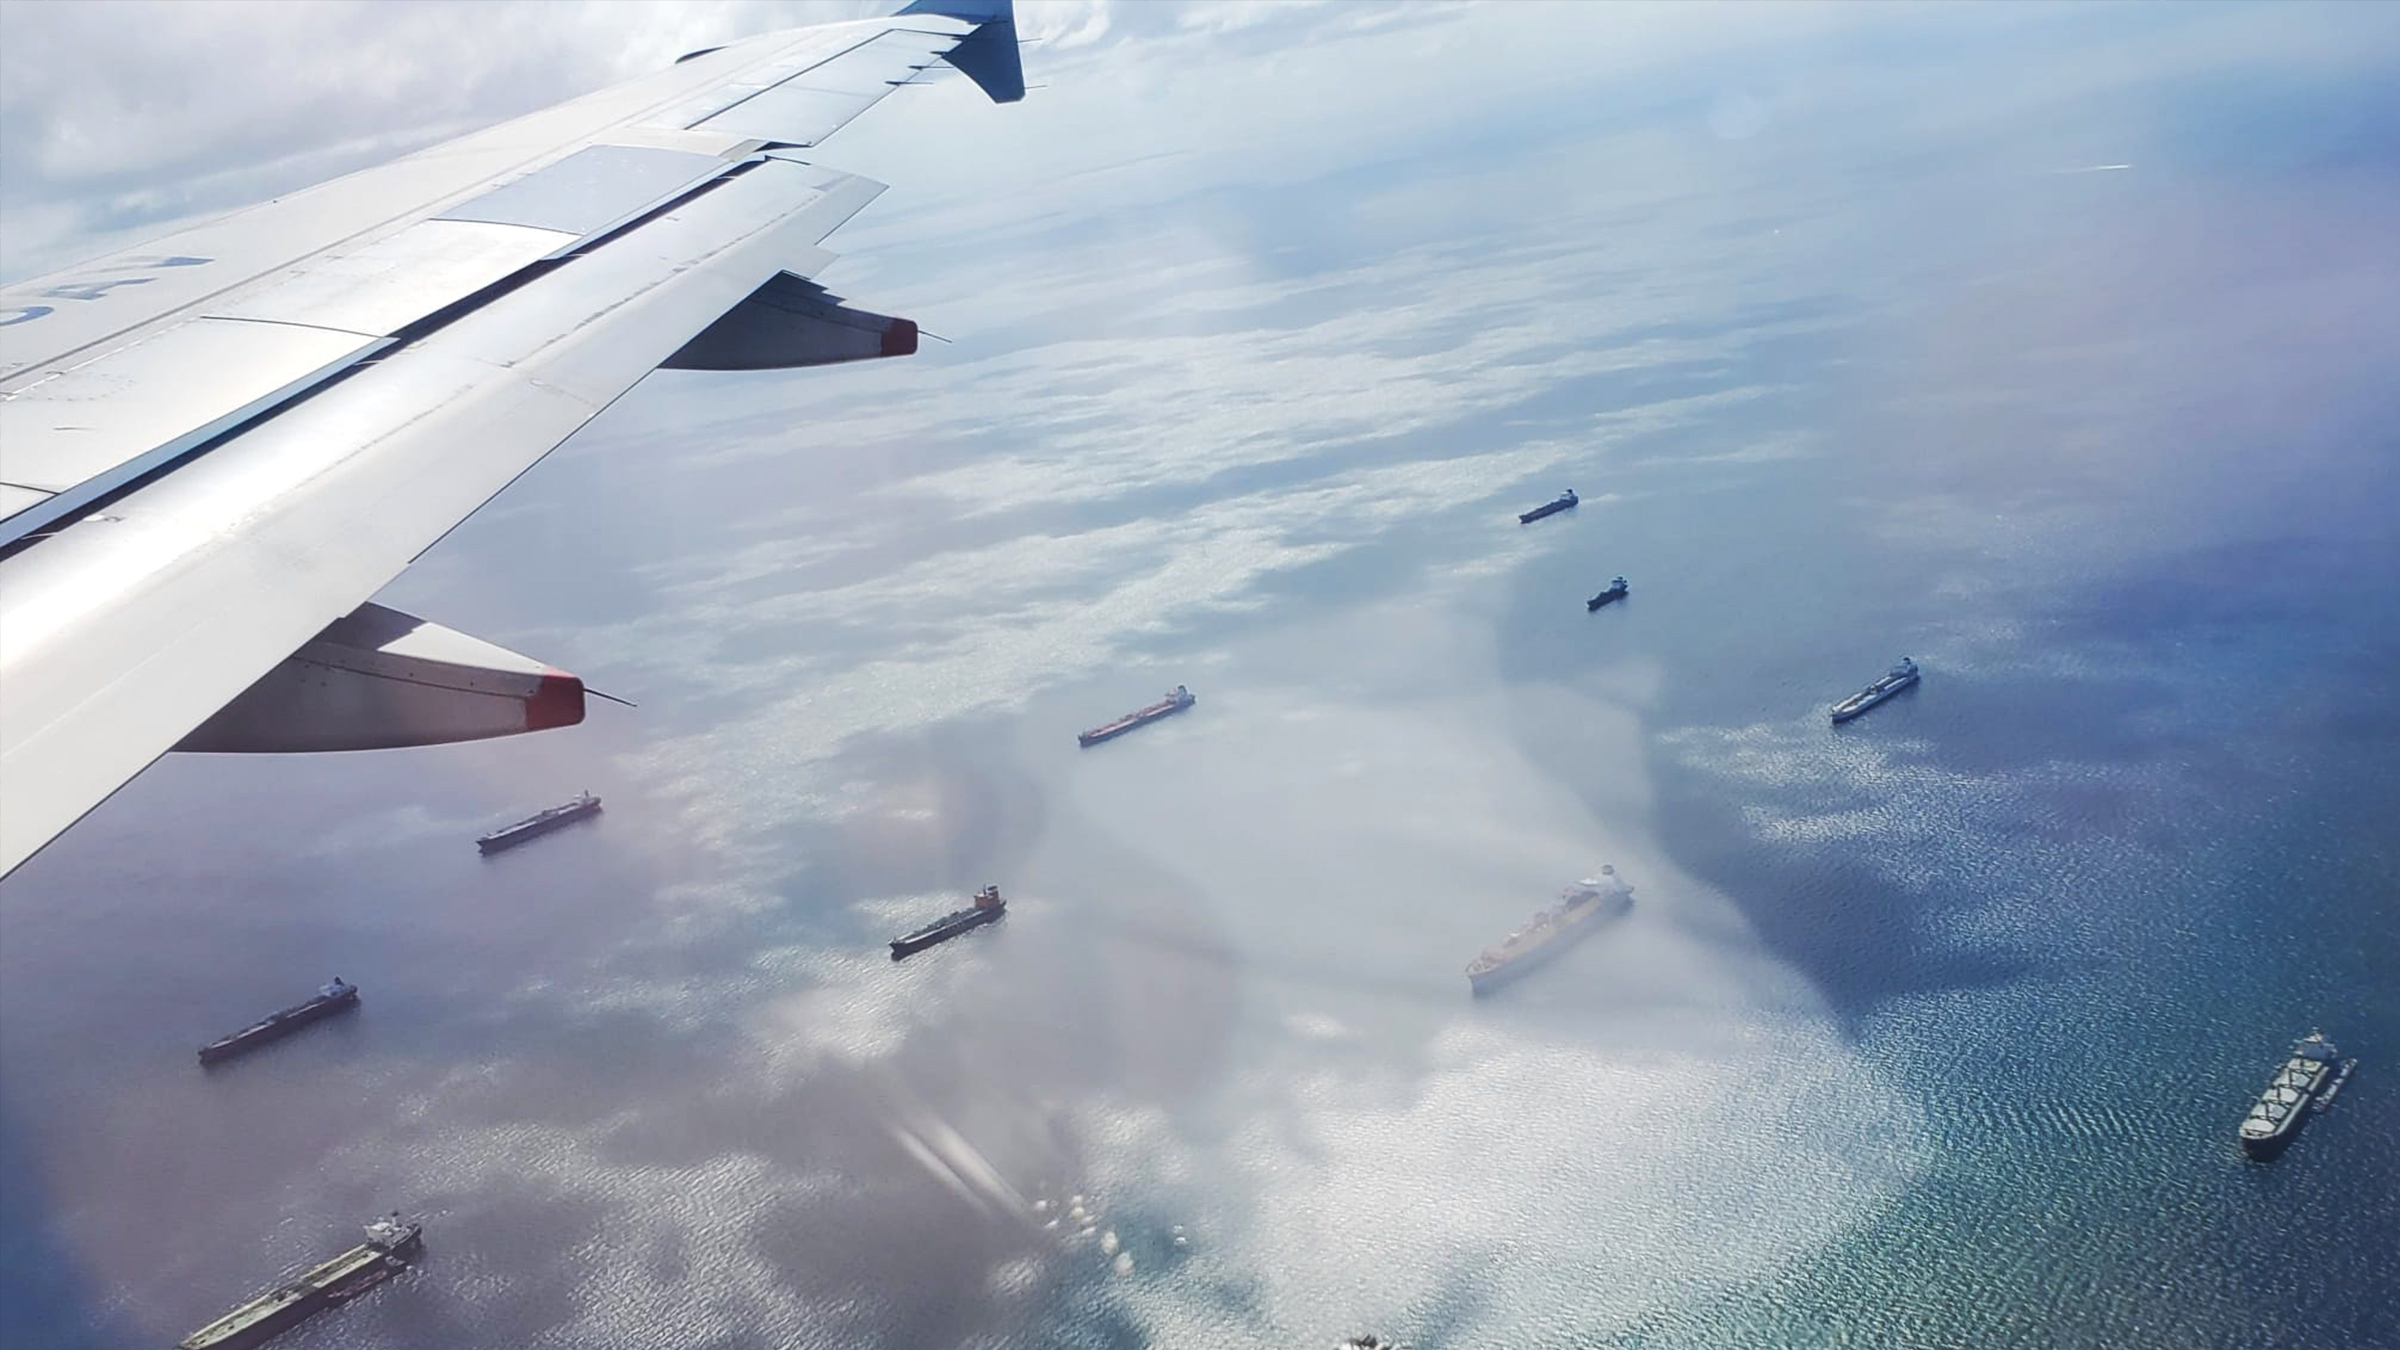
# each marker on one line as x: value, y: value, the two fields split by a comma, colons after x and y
x: 215, y: 448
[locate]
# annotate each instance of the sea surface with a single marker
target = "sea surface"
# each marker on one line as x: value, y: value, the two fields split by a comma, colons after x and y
x: 2059, y: 350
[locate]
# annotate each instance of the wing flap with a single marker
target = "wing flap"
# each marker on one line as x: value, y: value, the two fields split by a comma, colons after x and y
x: 69, y: 442
x: 85, y: 432
x: 226, y: 545
x: 69, y: 429
x: 55, y: 321
x: 384, y: 287
x: 122, y: 633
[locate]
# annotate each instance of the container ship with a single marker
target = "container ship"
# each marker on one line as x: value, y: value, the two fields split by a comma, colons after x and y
x: 1581, y: 908
x: 1172, y: 704
x: 539, y: 824
x: 1617, y: 590
x: 988, y: 906
x: 336, y: 996
x: 1894, y: 680
x: 1563, y: 502
x: 390, y: 1243
x: 2310, y: 1076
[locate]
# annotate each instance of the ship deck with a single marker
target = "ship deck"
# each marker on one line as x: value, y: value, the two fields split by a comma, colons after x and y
x: 315, y: 1279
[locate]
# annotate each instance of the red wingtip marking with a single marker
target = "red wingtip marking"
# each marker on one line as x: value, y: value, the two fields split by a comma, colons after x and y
x: 901, y: 338
x: 558, y: 703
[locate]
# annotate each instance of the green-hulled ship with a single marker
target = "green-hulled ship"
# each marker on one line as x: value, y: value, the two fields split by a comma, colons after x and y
x: 390, y: 1242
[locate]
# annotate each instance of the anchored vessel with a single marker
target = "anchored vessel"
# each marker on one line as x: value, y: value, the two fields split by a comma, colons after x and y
x: 1894, y: 680
x: 987, y: 907
x: 1166, y: 707
x: 1563, y: 501
x: 390, y: 1242
x: 1617, y: 590
x: 2311, y: 1074
x: 331, y: 998
x: 1581, y: 908
x: 533, y: 826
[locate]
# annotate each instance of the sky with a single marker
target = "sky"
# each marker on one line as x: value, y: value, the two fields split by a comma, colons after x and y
x: 1222, y: 293
x: 121, y: 116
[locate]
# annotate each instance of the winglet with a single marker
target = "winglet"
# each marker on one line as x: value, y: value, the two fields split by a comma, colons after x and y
x: 988, y: 56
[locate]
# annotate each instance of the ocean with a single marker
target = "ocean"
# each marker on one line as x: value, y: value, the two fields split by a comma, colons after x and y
x: 2053, y: 349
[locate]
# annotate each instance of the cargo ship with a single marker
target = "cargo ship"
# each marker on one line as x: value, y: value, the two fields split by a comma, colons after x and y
x: 2310, y: 1075
x: 1581, y: 908
x: 1617, y: 590
x: 333, y: 997
x: 1564, y: 501
x: 1894, y: 680
x: 988, y: 906
x: 539, y: 824
x: 390, y: 1242
x: 1140, y: 717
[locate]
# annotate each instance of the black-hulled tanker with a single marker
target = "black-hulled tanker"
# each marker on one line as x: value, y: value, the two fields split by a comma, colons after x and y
x: 539, y: 824
x: 1899, y: 677
x: 988, y: 906
x: 336, y: 996
x: 1172, y: 704
x: 1566, y: 500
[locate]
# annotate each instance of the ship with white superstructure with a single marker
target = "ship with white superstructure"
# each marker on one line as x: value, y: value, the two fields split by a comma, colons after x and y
x: 2309, y: 1078
x: 1581, y: 908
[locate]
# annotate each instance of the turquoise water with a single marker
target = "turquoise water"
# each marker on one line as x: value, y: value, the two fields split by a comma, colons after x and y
x: 1930, y: 1030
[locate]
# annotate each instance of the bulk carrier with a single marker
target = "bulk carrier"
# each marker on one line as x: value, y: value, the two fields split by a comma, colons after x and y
x: 390, y: 1242
x: 2309, y: 1078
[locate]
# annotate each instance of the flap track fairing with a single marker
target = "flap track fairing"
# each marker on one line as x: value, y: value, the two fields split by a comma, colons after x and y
x: 377, y: 678
x: 792, y: 322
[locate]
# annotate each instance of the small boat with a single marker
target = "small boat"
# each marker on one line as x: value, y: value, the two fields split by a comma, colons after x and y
x: 1565, y: 501
x: 1617, y: 590
x: 1894, y: 680
x: 539, y: 824
x: 2334, y: 1088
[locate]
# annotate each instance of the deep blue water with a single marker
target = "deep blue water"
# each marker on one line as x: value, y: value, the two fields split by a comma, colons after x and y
x: 1930, y: 1030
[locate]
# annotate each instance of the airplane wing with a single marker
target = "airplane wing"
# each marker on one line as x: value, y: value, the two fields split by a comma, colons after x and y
x: 215, y: 448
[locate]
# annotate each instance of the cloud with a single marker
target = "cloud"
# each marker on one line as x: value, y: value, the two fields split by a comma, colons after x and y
x: 125, y: 117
